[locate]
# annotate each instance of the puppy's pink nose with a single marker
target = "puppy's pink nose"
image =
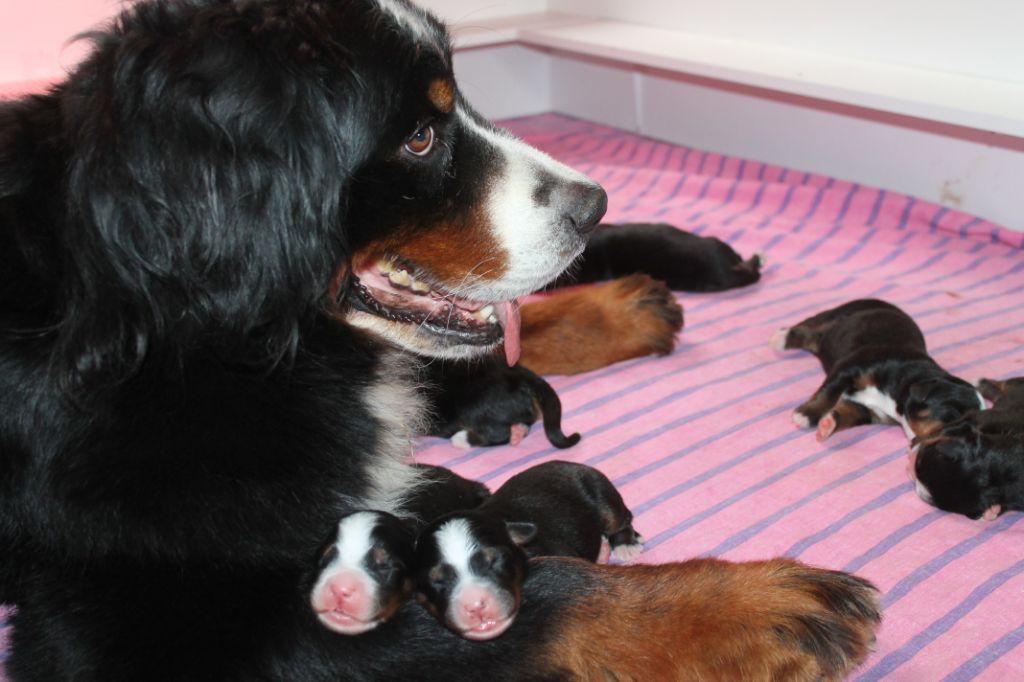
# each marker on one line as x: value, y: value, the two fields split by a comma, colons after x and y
x: 346, y: 587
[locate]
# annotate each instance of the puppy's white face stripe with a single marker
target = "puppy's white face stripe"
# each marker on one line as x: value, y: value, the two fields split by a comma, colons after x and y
x: 354, y: 539
x: 535, y: 237
x: 981, y: 401
x: 353, y: 542
x: 456, y: 545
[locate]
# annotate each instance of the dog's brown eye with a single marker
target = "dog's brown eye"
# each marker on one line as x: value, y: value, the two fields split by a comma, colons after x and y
x: 421, y: 142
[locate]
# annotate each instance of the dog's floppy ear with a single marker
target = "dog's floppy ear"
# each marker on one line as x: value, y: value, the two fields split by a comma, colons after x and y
x: 206, y: 184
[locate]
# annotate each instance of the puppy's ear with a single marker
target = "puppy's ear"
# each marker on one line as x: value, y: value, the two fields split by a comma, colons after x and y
x: 991, y: 389
x: 920, y: 391
x: 521, y: 532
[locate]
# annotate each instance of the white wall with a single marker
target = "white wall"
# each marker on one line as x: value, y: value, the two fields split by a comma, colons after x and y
x: 468, y: 11
x: 974, y: 37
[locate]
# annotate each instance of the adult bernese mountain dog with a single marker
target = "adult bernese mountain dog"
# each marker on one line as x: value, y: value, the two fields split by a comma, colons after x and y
x: 191, y: 396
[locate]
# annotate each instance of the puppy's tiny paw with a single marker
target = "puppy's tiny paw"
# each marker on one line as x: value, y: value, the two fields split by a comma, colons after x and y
x: 517, y: 433
x: 461, y: 439
x: 778, y: 341
x: 826, y: 427
x: 801, y: 420
x: 627, y: 552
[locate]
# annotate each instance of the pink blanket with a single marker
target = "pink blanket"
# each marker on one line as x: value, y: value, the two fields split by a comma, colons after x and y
x: 701, y: 443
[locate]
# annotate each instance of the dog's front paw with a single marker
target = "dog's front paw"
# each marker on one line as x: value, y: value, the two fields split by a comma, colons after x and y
x: 656, y: 315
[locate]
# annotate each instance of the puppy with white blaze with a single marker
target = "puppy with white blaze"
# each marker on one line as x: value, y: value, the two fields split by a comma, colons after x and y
x: 223, y: 237
x: 365, y: 572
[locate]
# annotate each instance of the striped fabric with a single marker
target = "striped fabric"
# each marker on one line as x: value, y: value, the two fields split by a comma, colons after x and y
x: 701, y: 444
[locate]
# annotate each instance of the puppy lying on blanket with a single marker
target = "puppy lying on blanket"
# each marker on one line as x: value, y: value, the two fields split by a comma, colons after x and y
x: 676, y: 612
x: 878, y: 371
x: 683, y: 261
x: 489, y: 403
x: 471, y: 565
x: 975, y: 466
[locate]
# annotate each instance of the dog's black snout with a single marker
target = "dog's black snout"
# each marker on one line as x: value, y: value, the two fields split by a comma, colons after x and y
x: 588, y: 205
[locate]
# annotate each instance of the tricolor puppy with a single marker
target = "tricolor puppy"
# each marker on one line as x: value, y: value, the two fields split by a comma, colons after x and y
x: 470, y: 571
x: 471, y: 565
x: 489, y: 403
x: 975, y: 466
x: 878, y: 371
x: 682, y: 260
x: 365, y: 572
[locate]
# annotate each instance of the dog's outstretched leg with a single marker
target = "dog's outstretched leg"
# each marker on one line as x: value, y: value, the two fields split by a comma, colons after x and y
x: 585, y: 329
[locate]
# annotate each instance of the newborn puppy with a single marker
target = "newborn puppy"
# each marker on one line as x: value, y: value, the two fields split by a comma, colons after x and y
x: 471, y: 565
x: 877, y: 371
x: 489, y: 403
x: 573, y: 508
x: 470, y: 572
x: 975, y: 466
x: 365, y: 572
x: 684, y: 261
x: 441, y: 492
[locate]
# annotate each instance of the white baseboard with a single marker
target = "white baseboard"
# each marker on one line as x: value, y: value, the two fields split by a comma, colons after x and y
x: 970, y: 170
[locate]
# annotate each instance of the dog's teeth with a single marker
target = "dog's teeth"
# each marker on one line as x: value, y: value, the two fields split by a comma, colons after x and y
x: 400, y: 278
x: 384, y: 267
x: 420, y: 287
x: 493, y: 319
x: 487, y: 312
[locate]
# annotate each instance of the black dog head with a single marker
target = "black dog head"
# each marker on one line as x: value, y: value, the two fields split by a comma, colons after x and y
x: 968, y: 471
x: 213, y: 168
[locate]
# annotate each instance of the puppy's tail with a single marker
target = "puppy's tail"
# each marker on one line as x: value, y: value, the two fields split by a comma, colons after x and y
x: 551, y: 412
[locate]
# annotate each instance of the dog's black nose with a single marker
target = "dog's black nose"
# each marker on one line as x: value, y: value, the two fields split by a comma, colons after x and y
x: 589, y: 202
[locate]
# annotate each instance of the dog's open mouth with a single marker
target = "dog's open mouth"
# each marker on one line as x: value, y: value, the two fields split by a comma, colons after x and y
x: 400, y: 293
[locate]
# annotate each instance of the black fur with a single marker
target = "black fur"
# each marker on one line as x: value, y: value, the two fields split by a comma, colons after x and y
x: 684, y: 261
x: 443, y: 492
x: 486, y: 398
x: 868, y: 343
x: 977, y: 463
x: 180, y: 424
x: 572, y: 506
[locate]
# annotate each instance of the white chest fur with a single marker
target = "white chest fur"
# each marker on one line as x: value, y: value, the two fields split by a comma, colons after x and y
x: 882, y: 405
x: 399, y: 410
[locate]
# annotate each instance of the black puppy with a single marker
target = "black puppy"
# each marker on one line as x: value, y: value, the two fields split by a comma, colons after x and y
x: 489, y: 403
x: 878, y: 371
x: 975, y: 466
x: 441, y: 491
x: 365, y: 572
x: 471, y: 565
x: 684, y: 261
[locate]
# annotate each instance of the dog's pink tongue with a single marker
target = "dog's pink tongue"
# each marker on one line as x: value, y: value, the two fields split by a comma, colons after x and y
x: 508, y: 315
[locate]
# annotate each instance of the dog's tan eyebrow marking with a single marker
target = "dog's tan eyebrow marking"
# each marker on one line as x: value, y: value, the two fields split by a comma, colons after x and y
x: 442, y: 94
